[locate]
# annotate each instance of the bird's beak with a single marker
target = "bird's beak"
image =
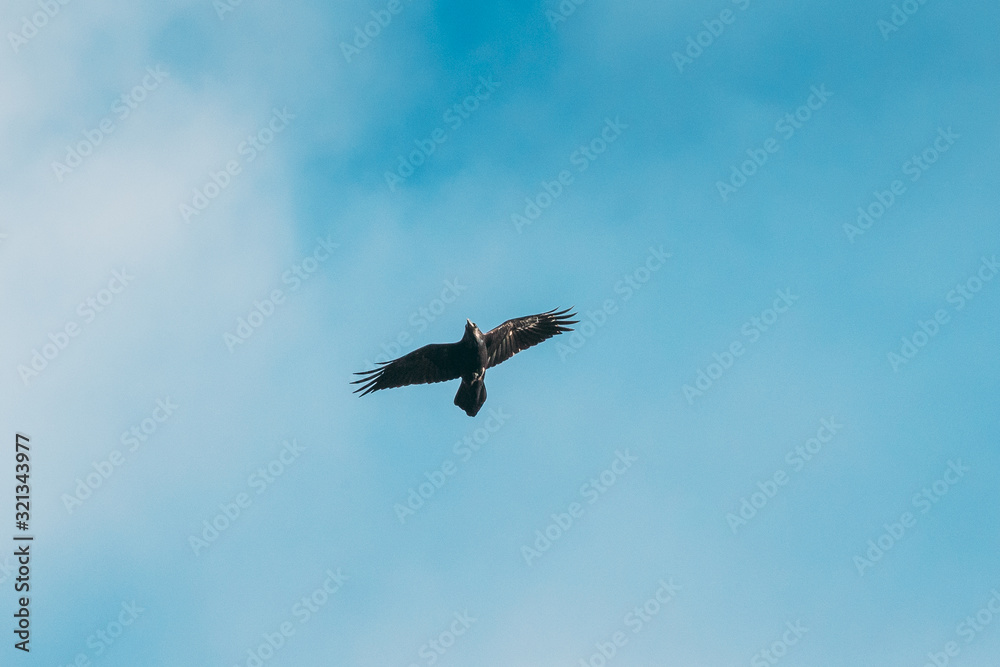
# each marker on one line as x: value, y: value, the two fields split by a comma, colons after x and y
x: 468, y: 322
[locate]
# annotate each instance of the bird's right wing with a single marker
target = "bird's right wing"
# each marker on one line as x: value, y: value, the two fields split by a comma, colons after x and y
x: 430, y: 363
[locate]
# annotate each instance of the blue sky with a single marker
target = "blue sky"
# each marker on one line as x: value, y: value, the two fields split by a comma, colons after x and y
x: 773, y: 438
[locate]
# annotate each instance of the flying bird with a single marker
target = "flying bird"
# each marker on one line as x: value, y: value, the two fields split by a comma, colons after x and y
x: 467, y: 359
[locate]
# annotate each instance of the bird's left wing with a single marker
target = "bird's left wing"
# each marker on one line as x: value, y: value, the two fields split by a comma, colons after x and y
x: 430, y: 363
x: 518, y: 334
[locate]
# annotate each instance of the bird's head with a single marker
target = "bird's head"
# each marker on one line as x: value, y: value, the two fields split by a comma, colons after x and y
x: 470, y: 326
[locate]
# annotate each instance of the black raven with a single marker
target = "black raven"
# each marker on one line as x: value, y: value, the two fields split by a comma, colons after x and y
x: 468, y: 358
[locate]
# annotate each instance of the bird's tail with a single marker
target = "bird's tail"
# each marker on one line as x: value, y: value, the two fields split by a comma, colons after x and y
x: 471, y: 396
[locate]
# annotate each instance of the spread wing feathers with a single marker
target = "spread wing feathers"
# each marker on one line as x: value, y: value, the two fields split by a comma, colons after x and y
x: 518, y: 334
x: 430, y: 363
